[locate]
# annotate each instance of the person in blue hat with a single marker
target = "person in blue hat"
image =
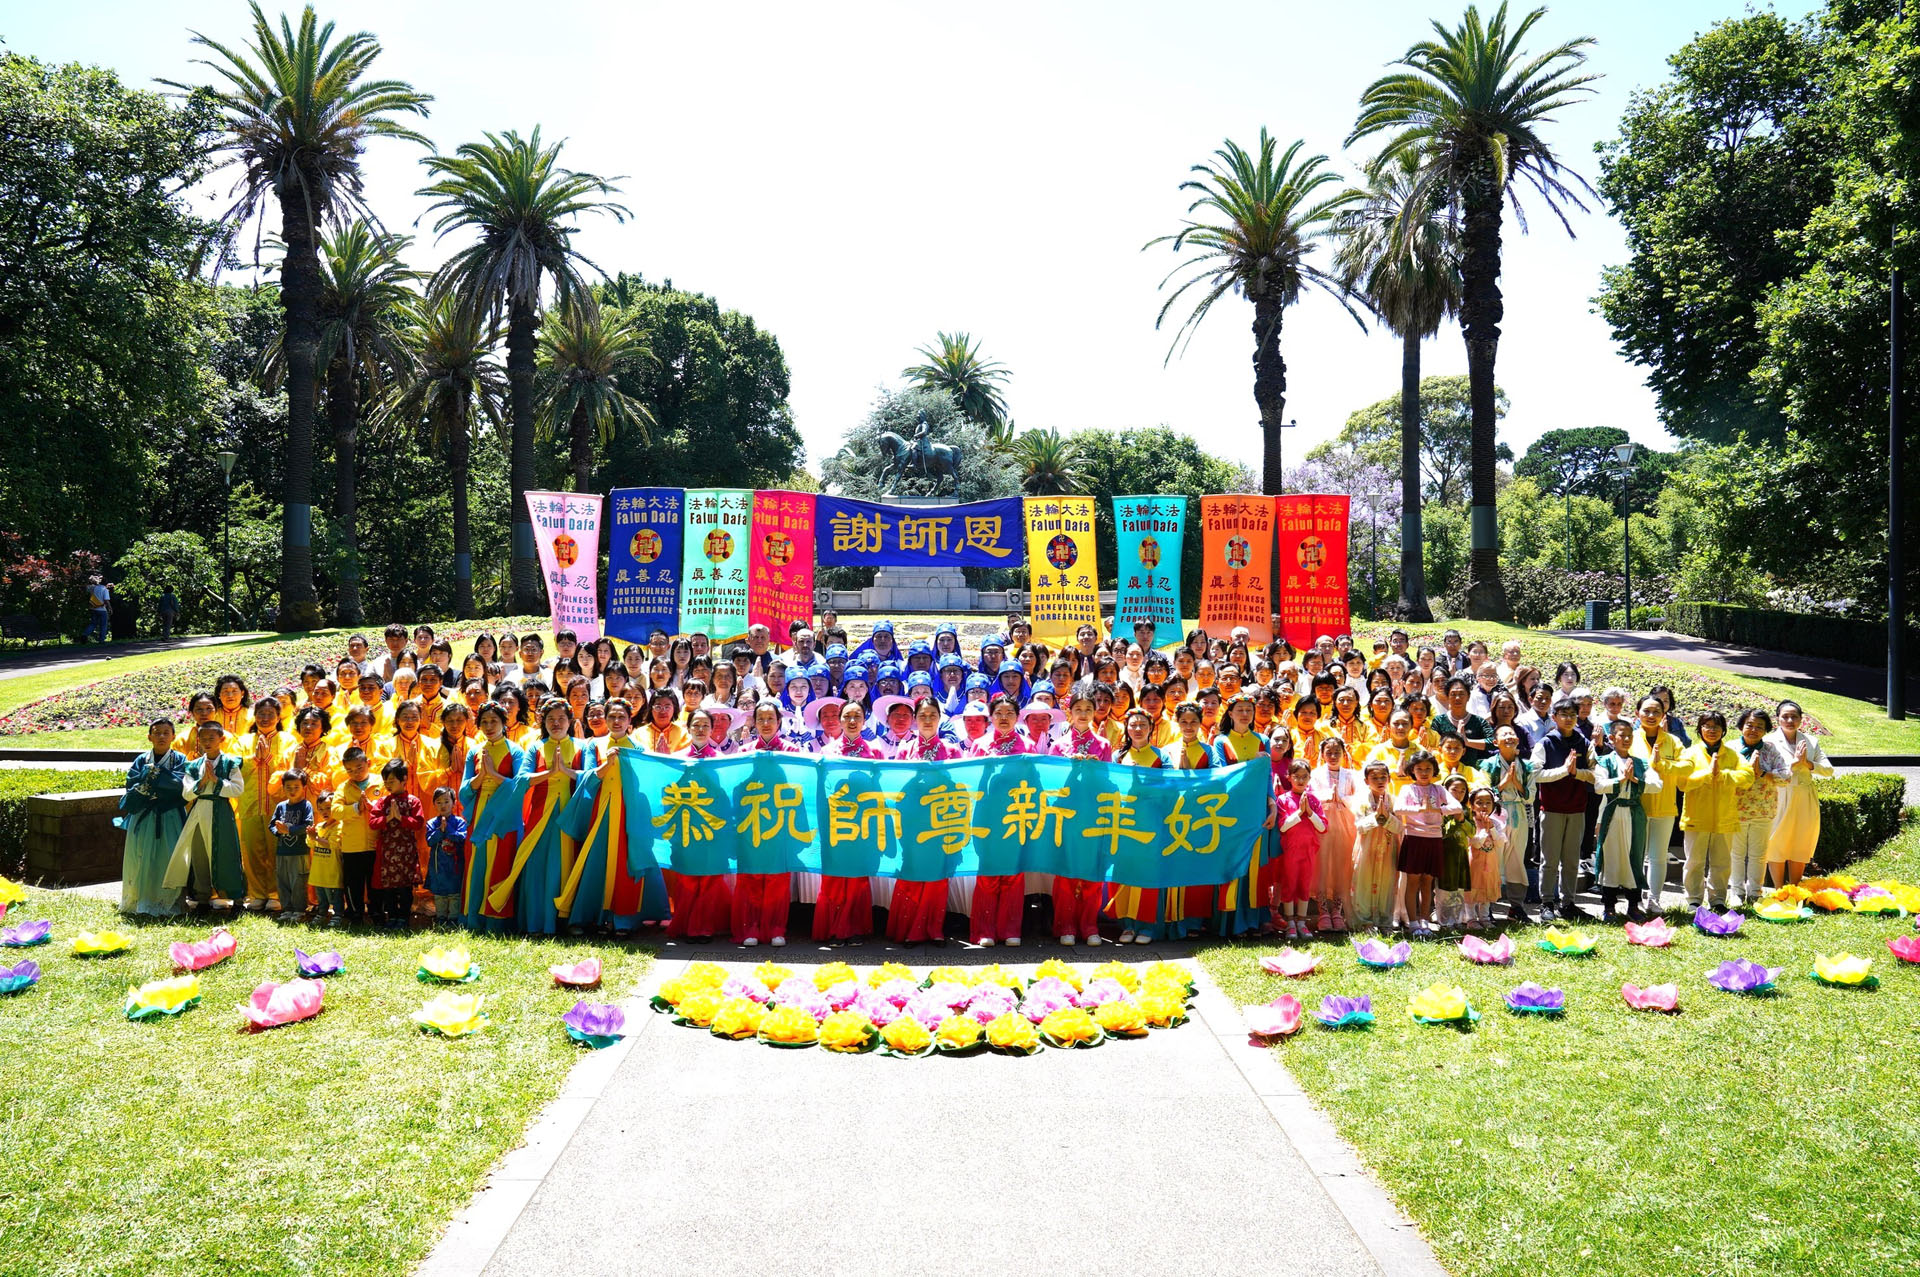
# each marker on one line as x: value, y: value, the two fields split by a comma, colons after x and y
x: 880, y: 642
x: 1012, y: 681
x: 993, y: 650
x: 950, y: 686
x: 857, y: 686
x: 794, y: 727
x: 977, y: 690
x: 920, y: 657
x: 836, y: 659
x: 946, y: 641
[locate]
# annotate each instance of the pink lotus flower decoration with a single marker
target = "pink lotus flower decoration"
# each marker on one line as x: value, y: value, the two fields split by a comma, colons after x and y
x: 842, y: 995
x: 949, y: 995
x: 1905, y: 948
x: 931, y: 1011
x: 584, y: 974
x: 745, y: 986
x: 802, y: 994
x: 898, y: 992
x: 1374, y: 953
x: 1653, y: 934
x: 1042, y: 1003
x: 1277, y: 1019
x: 990, y: 1003
x: 198, y: 955
x: 1100, y: 992
x: 870, y: 1003
x: 1658, y: 997
x: 273, y: 1005
x: 1291, y: 962
x: 1496, y: 953
x: 1052, y: 987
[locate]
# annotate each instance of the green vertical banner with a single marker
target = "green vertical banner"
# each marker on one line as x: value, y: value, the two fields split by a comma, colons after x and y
x: 1147, y: 532
x: 713, y: 576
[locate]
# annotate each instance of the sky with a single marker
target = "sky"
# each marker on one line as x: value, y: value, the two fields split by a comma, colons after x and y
x: 859, y: 177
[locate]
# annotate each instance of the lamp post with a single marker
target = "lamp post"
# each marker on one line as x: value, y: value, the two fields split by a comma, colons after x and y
x: 1896, y: 531
x: 1373, y: 569
x: 1623, y: 457
x: 226, y: 460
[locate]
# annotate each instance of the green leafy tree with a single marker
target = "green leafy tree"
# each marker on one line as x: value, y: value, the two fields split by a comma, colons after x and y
x: 1580, y: 461
x: 177, y: 561
x: 297, y: 113
x: 954, y: 365
x: 1445, y: 437
x: 1468, y: 108
x: 854, y: 471
x: 512, y: 193
x: 584, y: 352
x: 1269, y: 214
x: 1049, y: 464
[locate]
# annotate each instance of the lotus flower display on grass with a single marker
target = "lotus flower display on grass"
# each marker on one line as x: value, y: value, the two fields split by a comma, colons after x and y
x: 1656, y: 997
x: 163, y: 997
x: 1337, y: 1012
x: 595, y: 1024
x: 1277, y: 1019
x: 1873, y: 898
x: 1844, y: 970
x: 737, y: 1019
x: 1568, y: 943
x: 1781, y: 911
x: 1743, y: 976
x: 1497, y: 953
x: 26, y: 935
x: 448, y: 966
x: 1291, y: 962
x: 312, y: 966
x: 1707, y: 922
x: 1905, y: 948
x: 1651, y: 934
x: 102, y: 944
x: 273, y: 1005
x: 198, y: 955
x: 19, y: 977
x: 584, y: 974
x: 1442, y: 1004
x: 1532, y: 999
x: 11, y: 893
x: 1380, y: 956
x: 1013, y: 1035
x: 1831, y: 899
x: 848, y: 1033
x: 452, y: 1015
x: 1071, y: 1027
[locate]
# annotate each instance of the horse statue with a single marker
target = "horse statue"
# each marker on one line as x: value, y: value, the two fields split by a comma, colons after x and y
x: 935, y: 462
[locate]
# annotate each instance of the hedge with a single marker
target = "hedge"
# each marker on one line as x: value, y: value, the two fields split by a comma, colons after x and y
x: 1857, y: 814
x: 16, y: 786
x: 1836, y: 638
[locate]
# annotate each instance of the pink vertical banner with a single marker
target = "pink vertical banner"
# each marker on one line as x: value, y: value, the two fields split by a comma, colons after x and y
x: 566, y: 531
x: 780, y: 585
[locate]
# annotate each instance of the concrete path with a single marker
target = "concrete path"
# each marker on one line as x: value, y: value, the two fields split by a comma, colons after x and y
x: 27, y: 661
x: 674, y: 1152
x: 1861, y: 682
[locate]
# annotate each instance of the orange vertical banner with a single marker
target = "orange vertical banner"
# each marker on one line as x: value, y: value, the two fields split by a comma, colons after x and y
x: 1313, y: 567
x: 780, y: 555
x: 1236, y: 565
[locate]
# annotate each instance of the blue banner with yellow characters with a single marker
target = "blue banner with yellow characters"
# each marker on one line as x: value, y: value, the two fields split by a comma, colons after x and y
x: 980, y: 534
x: 772, y: 813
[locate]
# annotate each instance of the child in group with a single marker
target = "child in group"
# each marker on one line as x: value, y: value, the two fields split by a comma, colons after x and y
x: 1486, y: 848
x: 292, y: 818
x: 1302, y: 822
x: 1376, y: 850
x: 1510, y: 777
x: 1623, y: 778
x: 999, y: 898
x: 1456, y: 860
x: 446, y: 857
x: 1759, y: 802
x: 1796, y: 829
x: 1424, y: 808
x: 323, y: 863
x: 206, y: 856
x: 398, y: 820
x: 153, y: 807
x: 1711, y: 774
x: 1146, y: 914
x: 1336, y: 785
x: 1563, y: 770
x: 351, y: 801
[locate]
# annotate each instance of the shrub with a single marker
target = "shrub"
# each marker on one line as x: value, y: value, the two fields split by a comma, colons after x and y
x: 1648, y: 618
x: 1857, y: 814
x: 1574, y: 618
x: 1862, y: 642
x: 18, y: 786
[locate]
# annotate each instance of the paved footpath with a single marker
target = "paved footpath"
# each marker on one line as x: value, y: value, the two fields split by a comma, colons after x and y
x: 26, y: 661
x: 1861, y: 682
x: 674, y: 1152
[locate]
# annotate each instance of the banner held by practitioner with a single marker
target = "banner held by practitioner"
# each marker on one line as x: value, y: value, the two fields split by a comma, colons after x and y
x: 1063, y: 568
x: 643, y: 562
x: 713, y: 578
x: 566, y: 533
x: 780, y: 591
x: 1147, y: 534
x: 1313, y: 566
x: 1236, y: 572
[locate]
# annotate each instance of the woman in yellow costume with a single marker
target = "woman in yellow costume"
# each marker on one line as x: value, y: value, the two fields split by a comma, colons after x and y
x: 263, y: 757
x: 1796, y: 829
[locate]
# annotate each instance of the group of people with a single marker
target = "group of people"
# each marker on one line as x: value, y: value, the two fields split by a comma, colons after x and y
x: 1413, y: 789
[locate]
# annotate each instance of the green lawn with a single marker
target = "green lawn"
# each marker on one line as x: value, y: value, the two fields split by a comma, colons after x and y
x: 1742, y: 1136
x: 343, y: 1144
x: 15, y: 692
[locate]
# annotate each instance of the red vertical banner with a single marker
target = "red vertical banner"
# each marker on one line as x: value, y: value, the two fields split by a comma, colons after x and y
x: 780, y: 577
x: 1236, y: 565
x: 1313, y: 567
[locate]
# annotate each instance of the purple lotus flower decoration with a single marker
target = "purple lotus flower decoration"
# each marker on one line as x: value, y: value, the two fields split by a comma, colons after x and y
x: 595, y: 1024
x: 1717, y: 924
x: 927, y: 1009
x: 26, y: 935
x: 1373, y: 953
x: 989, y: 1003
x: 1742, y: 976
x: 314, y: 965
x: 1533, y: 999
x: 1337, y: 1012
x: 18, y: 979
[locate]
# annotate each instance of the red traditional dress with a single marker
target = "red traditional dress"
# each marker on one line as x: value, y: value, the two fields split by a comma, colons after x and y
x: 1077, y: 901
x: 702, y: 903
x: 844, y: 910
x: 919, y: 909
x: 761, y: 901
x: 998, y: 899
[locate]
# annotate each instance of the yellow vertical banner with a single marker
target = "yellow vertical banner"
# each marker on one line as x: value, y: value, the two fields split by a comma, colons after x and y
x: 1062, y: 568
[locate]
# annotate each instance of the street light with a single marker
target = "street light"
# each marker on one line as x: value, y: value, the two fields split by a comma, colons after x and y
x: 1623, y: 457
x: 226, y: 460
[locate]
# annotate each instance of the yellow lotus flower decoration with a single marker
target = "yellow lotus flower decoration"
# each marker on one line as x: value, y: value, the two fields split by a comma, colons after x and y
x: 698, y: 1008
x: 453, y: 1015
x: 997, y: 974
x: 1127, y: 975
x: 825, y: 977
x: 1842, y: 968
x: 1832, y: 899
x: 162, y: 997
x: 848, y: 1032
x: 12, y: 893
x: 1012, y: 1032
x: 788, y: 1026
x: 907, y: 1036
x: 772, y: 974
x: 1123, y: 1018
x: 1783, y: 910
x: 100, y: 944
x: 1163, y: 1009
x: 675, y: 991
x: 958, y: 1033
x: 1904, y: 894
x: 1568, y: 941
x: 1792, y: 891
x: 1439, y: 1002
x: 951, y: 975
x: 1060, y: 970
x: 888, y: 971
x: 447, y: 964
x: 1166, y: 986
x: 1168, y: 971
x: 1070, y: 1026
x: 704, y: 975
x: 737, y: 1018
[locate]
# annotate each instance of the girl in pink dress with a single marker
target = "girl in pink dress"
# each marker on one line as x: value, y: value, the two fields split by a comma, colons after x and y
x: 999, y: 898
x: 919, y: 909
x: 1424, y: 808
x: 1336, y: 783
x: 1301, y: 822
x: 1077, y: 901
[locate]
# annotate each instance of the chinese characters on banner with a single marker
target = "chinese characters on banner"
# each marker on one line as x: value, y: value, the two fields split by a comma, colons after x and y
x: 1313, y: 567
x: 1236, y: 565
x: 566, y: 533
x: 1147, y: 533
x: 1063, y: 569
x: 643, y: 562
x: 713, y: 576
x: 782, y: 556
x: 981, y: 534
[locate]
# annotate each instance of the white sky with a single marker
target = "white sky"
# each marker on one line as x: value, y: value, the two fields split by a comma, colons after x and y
x: 857, y: 177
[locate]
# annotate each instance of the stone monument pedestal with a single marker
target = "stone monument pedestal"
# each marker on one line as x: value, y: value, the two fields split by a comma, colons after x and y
x: 915, y: 588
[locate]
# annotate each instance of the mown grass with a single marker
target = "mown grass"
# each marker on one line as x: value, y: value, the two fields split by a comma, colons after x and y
x: 1741, y: 1136
x: 15, y: 692
x: 343, y: 1144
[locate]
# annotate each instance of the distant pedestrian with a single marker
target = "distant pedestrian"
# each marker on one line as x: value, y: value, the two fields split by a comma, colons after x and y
x: 169, y: 610
x: 99, y: 597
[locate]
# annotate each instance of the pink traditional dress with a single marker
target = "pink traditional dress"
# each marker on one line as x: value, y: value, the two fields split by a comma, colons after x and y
x: 844, y: 910
x: 1376, y: 857
x: 998, y: 898
x: 919, y: 909
x: 1335, y: 790
x: 702, y: 903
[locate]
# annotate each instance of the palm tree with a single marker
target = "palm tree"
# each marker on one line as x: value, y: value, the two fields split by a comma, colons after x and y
x: 513, y: 191
x: 954, y: 365
x: 297, y: 115
x: 584, y: 351
x: 1404, y: 259
x: 1467, y: 108
x: 449, y: 388
x: 1049, y: 464
x: 1259, y: 249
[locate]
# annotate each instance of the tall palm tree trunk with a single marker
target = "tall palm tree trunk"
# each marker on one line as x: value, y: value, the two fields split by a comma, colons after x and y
x: 459, y: 460
x: 1413, y: 604
x: 300, y: 298
x: 527, y: 596
x: 1480, y: 314
x: 1269, y: 388
x: 343, y: 416
x: 581, y: 458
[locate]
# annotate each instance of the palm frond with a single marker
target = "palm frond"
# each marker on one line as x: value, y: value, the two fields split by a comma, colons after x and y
x: 584, y: 353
